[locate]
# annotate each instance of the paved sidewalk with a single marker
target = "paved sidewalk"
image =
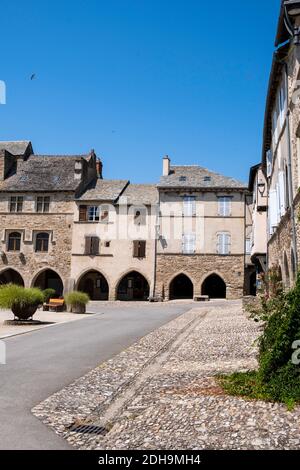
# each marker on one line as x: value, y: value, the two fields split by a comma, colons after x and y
x: 46, y: 319
x: 161, y: 392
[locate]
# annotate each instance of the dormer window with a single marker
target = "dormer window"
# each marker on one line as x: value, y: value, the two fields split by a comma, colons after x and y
x: 207, y: 179
x: 182, y: 178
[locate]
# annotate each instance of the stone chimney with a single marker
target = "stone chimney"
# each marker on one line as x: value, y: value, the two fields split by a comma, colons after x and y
x: 99, y: 167
x: 166, y: 166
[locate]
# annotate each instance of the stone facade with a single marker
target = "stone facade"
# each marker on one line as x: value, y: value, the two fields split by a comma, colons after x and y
x: 110, y: 238
x: 27, y: 262
x: 197, y: 268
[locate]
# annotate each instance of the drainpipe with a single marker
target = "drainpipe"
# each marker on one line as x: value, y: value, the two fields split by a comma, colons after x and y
x: 153, y: 289
x: 290, y: 189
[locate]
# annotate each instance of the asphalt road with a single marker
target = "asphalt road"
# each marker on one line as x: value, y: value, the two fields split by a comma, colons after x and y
x: 44, y: 361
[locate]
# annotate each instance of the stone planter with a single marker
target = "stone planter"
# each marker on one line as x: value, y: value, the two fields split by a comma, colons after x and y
x: 24, y: 313
x: 78, y: 308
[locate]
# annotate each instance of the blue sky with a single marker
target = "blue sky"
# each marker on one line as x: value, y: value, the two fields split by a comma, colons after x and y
x: 137, y: 79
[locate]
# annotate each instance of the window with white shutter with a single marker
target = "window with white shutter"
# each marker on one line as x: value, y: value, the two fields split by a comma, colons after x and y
x: 189, y: 243
x: 189, y: 206
x: 224, y: 206
x: 272, y: 210
x: 224, y: 243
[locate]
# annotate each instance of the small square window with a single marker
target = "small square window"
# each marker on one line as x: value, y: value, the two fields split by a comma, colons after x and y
x: 107, y: 244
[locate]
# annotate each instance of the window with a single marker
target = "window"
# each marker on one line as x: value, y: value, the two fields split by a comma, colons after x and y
x: 224, y: 206
x: 139, y: 249
x: 189, y: 206
x: 248, y: 246
x: 93, y: 214
x: 189, y: 244
x: 92, y: 245
x: 16, y: 204
x: 82, y: 213
x: 14, y: 241
x: 107, y: 244
x: 42, y: 203
x: 140, y: 217
x: 42, y: 242
x: 223, y: 246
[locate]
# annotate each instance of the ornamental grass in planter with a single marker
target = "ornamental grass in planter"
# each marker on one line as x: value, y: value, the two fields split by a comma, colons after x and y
x: 77, y: 301
x: 21, y: 301
x: 48, y: 294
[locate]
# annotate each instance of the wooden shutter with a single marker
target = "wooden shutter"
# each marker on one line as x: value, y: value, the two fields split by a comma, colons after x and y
x: 82, y: 213
x: 136, y: 249
x: 88, y: 243
x: 95, y: 245
x: 142, y: 249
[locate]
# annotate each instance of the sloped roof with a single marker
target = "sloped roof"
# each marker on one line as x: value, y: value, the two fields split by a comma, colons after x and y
x: 197, y: 177
x: 18, y: 147
x: 145, y: 194
x: 104, y: 190
x: 43, y: 173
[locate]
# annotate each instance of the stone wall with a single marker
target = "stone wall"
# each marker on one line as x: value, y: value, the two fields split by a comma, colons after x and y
x: 29, y: 263
x: 281, y: 243
x: 198, y: 268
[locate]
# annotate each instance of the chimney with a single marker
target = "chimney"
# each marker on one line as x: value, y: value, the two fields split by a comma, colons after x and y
x: 166, y: 166
x: 99, y: 167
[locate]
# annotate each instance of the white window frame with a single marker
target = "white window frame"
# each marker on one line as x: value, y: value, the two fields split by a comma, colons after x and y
x: 189, y: 206
x: 224, y: 206
x: 189, y: 243
x: 93, y: 213
x: 248, y: 246
x: 223, y: 243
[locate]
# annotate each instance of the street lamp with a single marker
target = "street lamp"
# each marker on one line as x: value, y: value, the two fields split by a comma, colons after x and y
x: 261, y: 187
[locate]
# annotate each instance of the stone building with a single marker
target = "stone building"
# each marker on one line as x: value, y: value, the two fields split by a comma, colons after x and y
x: 259, y: 203
x: 113, y: 249
x: 63, y: 225
x: 201, y: 248
x: 37, y: 212
x: 281, y: 145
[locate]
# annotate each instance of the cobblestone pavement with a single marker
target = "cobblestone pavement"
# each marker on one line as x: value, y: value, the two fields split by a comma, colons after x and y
x: 161, y: 392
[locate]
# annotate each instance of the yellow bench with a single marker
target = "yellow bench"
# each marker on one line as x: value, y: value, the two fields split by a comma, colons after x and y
x: 55, y: 304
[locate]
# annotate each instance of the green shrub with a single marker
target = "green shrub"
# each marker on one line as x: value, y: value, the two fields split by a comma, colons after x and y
x: 277, y: 378
x: 76, y: 298
x: 48, y: 294
x: 12, y: 295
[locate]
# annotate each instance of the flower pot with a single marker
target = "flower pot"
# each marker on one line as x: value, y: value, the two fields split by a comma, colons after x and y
x: 78, y: 308
x: 24, y: 312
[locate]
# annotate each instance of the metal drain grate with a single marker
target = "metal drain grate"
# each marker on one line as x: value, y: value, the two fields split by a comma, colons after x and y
x: 89, y: 429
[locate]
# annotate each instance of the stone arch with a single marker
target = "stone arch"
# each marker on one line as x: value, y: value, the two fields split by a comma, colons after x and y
x: 10, y: 275
x: 181, y: 287
x: 48, y: 278
x: 214, y: 286
x: 94, y: 283
x: 132, y: 285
